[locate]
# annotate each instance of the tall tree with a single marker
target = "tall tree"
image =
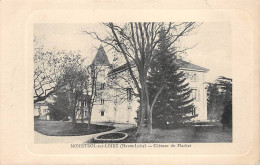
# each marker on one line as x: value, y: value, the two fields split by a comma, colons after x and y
x: 49, y: 66
x: 78, y: 93
x: 220, y: 100
x: 59, y: 109
x: 214, y: 102
x: 92, y: 88
x: 137, y: 43
x: 226, y: 89
x: 174, y: 103
x: 75, y: 78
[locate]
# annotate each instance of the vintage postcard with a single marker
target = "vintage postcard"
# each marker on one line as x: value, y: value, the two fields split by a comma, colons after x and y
x: 89, y: 88
x: 131, y: 86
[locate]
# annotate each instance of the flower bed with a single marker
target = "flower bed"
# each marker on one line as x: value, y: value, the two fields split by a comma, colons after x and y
x: 111, y: 137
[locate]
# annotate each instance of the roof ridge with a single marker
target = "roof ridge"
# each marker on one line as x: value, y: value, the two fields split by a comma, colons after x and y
x: 191, y: 66
x: 185, y: 65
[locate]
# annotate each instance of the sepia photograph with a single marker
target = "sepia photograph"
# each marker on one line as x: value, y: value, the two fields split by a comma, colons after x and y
x: 132, y: 82
x: 129, y: 82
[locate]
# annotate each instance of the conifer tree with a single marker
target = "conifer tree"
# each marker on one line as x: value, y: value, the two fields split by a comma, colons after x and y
x: 174, y: 102
x: 59, y: 109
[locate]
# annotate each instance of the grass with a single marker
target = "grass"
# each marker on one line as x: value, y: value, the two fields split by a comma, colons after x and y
x: 116, y: 137
x: 62, y: 128
x: 190, y: 134
x: 112, y: 136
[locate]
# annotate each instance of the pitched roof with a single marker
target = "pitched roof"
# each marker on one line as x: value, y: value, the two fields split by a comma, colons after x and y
x: 184, y: 65
x: 119, y: 69
x: 189, y: 66
x: 101, y: 57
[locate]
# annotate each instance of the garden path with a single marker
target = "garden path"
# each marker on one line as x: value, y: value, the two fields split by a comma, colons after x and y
x: 44, y: 139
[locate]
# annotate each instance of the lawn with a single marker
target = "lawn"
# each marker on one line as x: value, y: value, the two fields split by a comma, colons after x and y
x: 190, y: 134
x: 63, y: 128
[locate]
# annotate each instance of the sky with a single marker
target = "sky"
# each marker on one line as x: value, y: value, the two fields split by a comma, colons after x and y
x: 212, y: 41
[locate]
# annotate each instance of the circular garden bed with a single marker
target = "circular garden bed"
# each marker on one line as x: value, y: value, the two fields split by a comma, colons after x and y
x: 111, y: 137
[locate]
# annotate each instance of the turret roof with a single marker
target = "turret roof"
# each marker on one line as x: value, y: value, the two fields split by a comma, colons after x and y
x: 101, y: 57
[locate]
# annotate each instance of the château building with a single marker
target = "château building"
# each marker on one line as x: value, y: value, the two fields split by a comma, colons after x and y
x: 116, y: 101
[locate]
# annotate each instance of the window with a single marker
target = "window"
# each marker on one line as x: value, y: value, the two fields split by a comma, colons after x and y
x: 102, y: 73
x: 93, y: 72
x: 98, y: 95
x: 129, y: 108
x: 114, y: 81
x: 110, y: 82
x: 129, y: 94
x: 194, y: 77
x: 102, y: 87
x: 102, y: 101
x: 194, y: 94
x: 45, y: 110
x: 193, y: 111
x: 102, y: 113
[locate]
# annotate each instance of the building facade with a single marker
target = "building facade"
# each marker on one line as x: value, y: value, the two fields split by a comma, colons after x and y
x: 41, y: 111
x: 116, y: 102
x: 195, y: 75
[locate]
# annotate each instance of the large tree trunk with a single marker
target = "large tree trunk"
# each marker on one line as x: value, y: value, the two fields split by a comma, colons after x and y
x: 150, y: 126
x: 82, y: 111
x: 143, y: 128
x: 149, y: 112
x: 73, y: 115
x: 89, y: 111
x: 73, y: 119
x: 89, y: 117
x: 147, y: 109
x: 141, y: 115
